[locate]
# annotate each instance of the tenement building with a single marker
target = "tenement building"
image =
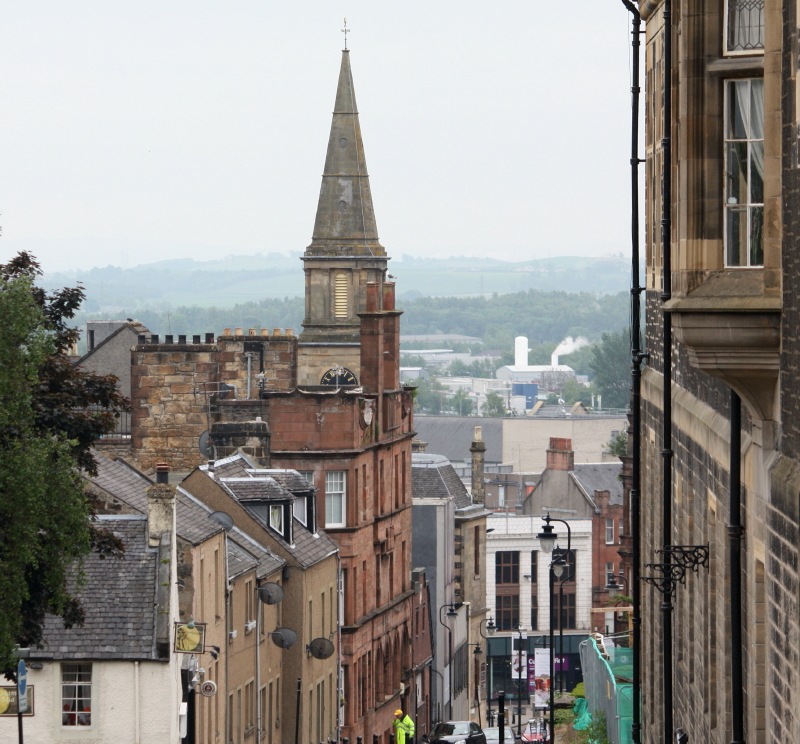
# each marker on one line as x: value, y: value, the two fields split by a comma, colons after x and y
x: 328, y: 404
x: 721, y: 392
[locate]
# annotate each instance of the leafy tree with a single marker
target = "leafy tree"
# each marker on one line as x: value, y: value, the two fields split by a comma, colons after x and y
x: 573, y: 391
x: 431, y: 396
x: 461, y: 403
x: 46, y: 430
x: 618, y: 444
x: 612, y: 368
x: 484, y: 367
x: 412, y: 360
x: 494, y: 405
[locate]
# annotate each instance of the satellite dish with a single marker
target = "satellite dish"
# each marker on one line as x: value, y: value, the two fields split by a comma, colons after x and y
x: 227, y: 391
x: 320, y: 648
x: 208, y: 688
x: 223, y: 519
x: 203, y: 444
x: 284, y: 637
x: 270, y: 593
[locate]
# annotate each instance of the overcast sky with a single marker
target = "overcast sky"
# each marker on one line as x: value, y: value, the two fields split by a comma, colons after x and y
x: 136, y: 131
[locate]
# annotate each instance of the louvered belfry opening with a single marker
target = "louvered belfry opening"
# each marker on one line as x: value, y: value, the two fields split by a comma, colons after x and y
x: 340, y: 296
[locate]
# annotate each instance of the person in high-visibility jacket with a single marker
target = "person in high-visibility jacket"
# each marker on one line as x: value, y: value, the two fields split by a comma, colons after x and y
x: 403, y: 728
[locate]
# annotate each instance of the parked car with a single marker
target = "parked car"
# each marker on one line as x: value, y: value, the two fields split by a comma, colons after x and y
x: 493, y: 735
x: 457, y: 732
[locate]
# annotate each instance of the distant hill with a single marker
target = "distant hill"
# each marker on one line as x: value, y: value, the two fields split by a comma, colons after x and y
x: 234, y: 280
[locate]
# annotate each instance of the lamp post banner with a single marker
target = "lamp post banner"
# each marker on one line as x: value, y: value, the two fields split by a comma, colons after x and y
x: 541, y: 686
x: 519, y: 665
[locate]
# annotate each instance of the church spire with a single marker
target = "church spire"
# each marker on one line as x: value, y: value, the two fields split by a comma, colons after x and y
x: 345, y: 222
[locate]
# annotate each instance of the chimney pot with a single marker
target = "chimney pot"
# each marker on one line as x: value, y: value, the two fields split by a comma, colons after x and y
x: 276, y: 331
x: 478, y: 434
x: 196, y: 339
x: 373, y: 297
x: 209, y: 338
x: 162, y: 473
x: 168, y: 339
x: 265, y: 331
x: 290, y: 332
x: 182, y: 339
x: 239, y: 332
x: 226, y: 332
x: 251, y: 331
x: 388, y: 295
x: 141, y: 339
x: 153, y: 338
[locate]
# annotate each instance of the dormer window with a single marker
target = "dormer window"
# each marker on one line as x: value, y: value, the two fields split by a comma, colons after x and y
x: 744, y: 26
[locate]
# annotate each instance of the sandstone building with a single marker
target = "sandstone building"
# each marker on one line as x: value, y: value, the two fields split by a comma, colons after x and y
x: 725, y: 288
x: 328, y: 404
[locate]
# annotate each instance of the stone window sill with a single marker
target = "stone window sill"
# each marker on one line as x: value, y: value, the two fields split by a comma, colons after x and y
x: 737, y: 66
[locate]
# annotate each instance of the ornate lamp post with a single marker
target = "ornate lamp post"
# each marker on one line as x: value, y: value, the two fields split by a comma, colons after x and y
x: 547, y: 540
x: 491, y: 629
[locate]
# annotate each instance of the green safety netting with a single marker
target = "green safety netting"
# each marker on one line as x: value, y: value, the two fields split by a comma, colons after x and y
x: 582, y: 716
x: 607, y: 674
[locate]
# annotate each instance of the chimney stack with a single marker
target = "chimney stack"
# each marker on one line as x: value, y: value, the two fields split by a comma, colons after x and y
x: 478, y: 450
x: 560, y: 455
x: 161, y: 534
x: 372, y: 342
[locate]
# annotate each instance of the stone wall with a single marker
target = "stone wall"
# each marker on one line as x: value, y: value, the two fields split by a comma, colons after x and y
x: 175, y: 389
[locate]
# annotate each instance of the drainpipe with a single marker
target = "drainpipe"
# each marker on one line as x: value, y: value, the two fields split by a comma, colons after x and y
x: 636, y: 374
x: 735, y: 533
x: 666, y: 295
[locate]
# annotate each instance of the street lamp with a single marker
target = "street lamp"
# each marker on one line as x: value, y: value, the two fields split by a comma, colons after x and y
x: 547, y: 540
x: 520, y: 630
x: 451, y: 613
x: 491, y: 629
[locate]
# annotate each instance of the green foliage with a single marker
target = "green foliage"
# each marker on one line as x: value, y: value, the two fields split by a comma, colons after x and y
x: 618, y: 444
x: 564, y: 715
x: 612, y: 369
x: 411, y: 360
x: 579, y: 691
x: 552, y: 399
x: 544, y: 317
x: 431, y: 396
x: 597, y: 732
x: 616, y: 599
x: 573, y: 392
x: 494, y: 406
x: 45, y: 435
x: 461, y: 404
x: 476, y: 368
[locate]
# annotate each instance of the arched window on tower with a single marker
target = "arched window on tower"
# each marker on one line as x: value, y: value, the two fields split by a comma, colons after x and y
x: 340, y: 296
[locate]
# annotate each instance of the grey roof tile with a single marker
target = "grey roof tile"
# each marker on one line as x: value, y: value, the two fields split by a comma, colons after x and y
x: 433, y: 477
x: 119, y: 602
x: 601, y: 476
x: 256, y: 489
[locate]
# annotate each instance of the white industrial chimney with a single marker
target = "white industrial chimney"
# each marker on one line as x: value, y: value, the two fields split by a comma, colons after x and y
x: 521, y: 351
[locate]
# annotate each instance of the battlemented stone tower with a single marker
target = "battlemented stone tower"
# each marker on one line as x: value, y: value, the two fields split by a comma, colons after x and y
x: 344, y: 253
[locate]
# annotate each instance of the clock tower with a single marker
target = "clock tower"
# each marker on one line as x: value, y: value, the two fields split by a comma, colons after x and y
x: 344, y: 253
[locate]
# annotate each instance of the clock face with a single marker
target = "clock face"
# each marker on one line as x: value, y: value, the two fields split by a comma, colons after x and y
x: 338, y: 376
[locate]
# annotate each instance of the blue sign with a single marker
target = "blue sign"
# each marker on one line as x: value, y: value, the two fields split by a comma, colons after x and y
x: 22, y: 686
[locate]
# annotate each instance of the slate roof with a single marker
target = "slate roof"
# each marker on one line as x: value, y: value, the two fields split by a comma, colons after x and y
x: 433, y: 477
x: 245, y: 482
x: 239, y: 560
x: 255, y: 489
x: 452, y: 436
x: 124, y: 482
x: 291, y: 480
x: 600, y: 476
x: 119, y: 601
x: 309, y: 548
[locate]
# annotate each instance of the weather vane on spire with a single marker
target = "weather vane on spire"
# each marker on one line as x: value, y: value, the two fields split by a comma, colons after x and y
x: 344, y: 31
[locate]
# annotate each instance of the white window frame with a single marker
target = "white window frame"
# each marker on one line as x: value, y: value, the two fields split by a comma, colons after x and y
x: 276, y: 517
x: 74, y: 719
x: 610, y: 531
x: 735, y: 52
x: 335, y: 490
x: 748, y: 205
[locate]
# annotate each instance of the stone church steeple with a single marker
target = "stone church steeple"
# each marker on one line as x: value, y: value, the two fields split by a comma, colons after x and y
x: 345, y: 252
